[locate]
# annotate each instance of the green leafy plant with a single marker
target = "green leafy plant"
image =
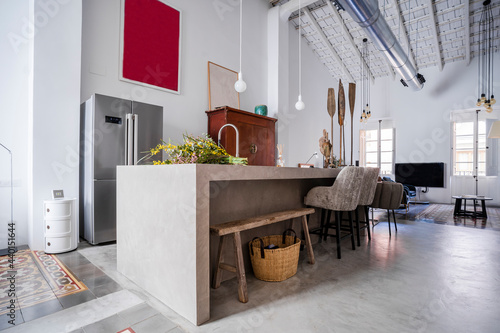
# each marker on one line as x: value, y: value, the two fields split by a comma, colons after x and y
x: 200, y: 149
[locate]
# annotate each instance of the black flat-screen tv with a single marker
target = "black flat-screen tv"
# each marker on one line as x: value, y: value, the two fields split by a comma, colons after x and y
x: 420, y: 174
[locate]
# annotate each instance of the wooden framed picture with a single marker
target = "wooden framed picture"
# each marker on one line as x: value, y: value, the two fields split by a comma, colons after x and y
x: 221, y: 90
x: 303, y: 165
x: 150, y: 44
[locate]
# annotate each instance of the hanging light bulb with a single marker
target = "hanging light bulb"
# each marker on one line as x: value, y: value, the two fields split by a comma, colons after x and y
x: 361, y: 119
x: 369, y: 114
x: 300, y: 105
x: 240, y: 85
x: 492, y: 100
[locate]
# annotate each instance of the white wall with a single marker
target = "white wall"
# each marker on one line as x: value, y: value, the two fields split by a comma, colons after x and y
x: 14, y: 114
x: 40, y: 101
x: 55, y: 108
x: 210, y: 32
x: 306, y: 127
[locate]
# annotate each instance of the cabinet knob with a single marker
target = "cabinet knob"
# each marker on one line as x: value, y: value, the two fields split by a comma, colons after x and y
x: 48, y: 243
x: 253, y: 148
x: 48, y: 210
x: 48, y: 227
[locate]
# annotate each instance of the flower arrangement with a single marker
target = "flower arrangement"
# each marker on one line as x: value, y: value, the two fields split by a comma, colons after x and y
x: 201, y: 149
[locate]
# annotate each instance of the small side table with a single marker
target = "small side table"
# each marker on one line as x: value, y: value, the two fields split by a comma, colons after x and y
x: 61, y: 228
x: 464, y: 212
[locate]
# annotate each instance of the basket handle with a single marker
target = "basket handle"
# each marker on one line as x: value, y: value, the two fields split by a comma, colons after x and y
x: 286, y: 232
x: 262, y: 255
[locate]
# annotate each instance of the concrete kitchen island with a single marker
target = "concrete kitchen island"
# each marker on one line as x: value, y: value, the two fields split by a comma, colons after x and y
x: 164, y: 213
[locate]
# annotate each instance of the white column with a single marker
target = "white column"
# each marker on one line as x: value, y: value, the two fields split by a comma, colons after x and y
x: 54, y: 109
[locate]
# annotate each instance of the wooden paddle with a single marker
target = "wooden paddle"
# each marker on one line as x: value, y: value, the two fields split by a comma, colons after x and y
x: 330, y: 106
x: 341, y: 108
x: 352, y: 99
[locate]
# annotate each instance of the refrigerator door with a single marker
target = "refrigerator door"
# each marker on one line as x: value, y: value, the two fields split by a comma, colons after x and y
x: 109, y: 126
x: 100, y: 217
x: 148, y: 127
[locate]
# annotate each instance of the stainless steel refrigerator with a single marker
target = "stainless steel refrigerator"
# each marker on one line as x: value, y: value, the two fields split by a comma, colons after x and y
x: 113, y: 131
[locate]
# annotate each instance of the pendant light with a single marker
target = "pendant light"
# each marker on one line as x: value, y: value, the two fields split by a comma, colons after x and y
x: 300, y: 105
x: 365, y: 83
x: 485, y: 61
x: 240, y: 85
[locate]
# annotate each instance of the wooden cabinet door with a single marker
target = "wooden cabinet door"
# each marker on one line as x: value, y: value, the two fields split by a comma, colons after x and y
x: 256, y: 134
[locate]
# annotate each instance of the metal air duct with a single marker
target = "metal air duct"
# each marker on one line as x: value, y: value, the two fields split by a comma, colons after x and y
x: 367, y: 14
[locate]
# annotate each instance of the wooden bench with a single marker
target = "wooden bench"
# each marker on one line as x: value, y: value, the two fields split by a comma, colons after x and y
x: 235, y: 227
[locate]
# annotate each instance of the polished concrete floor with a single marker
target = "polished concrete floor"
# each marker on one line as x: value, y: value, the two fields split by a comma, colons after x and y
x: 428, y: 277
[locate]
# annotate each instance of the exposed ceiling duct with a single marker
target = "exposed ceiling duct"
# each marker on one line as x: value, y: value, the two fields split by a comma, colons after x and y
x: 367, y: 14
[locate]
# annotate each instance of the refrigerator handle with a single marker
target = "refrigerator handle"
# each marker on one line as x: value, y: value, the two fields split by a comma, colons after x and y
x: 129, y: 139
x: 136, y: 135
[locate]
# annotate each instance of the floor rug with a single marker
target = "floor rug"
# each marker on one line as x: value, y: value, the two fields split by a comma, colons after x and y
x: 40, y: 277
x: 443, y: 214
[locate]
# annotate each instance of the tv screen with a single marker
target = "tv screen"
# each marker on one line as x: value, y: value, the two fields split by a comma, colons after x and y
x: 420, y: 174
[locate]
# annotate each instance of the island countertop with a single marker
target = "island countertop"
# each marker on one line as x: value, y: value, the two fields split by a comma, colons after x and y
x: 164, y: 213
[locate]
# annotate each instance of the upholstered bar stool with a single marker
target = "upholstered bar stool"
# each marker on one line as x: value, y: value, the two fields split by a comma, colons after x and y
x: 342, y: 196
x: 366, y: 196
x: 388, y: 196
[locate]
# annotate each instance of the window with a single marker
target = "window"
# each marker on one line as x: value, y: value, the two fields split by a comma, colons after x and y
x: 377, y: 149
x: 465, y: 149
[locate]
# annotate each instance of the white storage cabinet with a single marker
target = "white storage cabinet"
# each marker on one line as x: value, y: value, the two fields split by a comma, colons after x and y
x: 61, y: 229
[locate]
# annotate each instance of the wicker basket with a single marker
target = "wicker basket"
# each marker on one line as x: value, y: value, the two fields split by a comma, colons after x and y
x: 275, y: 264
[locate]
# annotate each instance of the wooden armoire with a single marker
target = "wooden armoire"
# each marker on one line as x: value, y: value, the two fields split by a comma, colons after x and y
x: 256, y: 134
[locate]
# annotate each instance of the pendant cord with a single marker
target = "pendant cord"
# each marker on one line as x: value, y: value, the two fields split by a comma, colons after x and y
x: 300, y: 51
x: 241, y: 29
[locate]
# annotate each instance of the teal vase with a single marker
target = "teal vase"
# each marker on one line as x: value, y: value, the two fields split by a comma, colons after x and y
x: 261, y: 110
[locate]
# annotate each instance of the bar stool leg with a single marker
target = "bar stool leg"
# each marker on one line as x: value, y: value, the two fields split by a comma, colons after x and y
x: 389, y: 221
x: 338, y: 216
x: 327, y: 223
x: 356, y: 214
x: 367, y: 214
x: 321, y: 225
x: 352, y: 230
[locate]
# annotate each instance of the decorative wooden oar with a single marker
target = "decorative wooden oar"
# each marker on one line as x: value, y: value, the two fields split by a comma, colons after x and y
x: 352, y: 99
x: 330, y: 106
x: 341, y: 108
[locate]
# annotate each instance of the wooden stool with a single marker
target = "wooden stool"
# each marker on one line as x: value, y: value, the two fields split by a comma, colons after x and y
x: 235, y: 227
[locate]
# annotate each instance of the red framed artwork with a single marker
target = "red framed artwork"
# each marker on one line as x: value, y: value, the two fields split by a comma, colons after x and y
x: 150, y: 45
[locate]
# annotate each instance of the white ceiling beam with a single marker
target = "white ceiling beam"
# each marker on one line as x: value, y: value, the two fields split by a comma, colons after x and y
x: 325, y: 40
x: 433, y: 26
x: 348, y: 36
x: 288, y: 8
x: 467, y: 32
x: 404, y: 39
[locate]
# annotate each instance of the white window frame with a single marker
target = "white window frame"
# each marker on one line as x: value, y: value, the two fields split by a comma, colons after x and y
x: 472, y: 117
x: 362, y: 144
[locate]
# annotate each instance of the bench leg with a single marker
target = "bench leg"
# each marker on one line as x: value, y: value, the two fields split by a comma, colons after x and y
x: 240, y: 269
x: 309, y: 248
x: 218, y: 271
